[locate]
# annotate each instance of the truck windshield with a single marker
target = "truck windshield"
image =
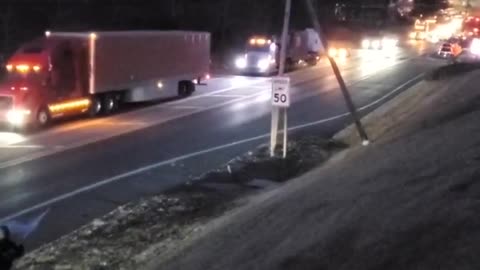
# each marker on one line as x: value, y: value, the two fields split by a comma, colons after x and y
x: 34, y: 47
x: 14, y: 77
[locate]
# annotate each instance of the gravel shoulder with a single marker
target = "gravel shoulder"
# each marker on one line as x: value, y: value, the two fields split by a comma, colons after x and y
x: 160, y: 226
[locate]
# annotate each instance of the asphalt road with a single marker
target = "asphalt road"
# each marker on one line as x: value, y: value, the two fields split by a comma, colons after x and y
x: 82, y: 169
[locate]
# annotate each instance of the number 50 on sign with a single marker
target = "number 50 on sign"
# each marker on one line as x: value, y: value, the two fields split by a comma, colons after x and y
x: 281, y: 92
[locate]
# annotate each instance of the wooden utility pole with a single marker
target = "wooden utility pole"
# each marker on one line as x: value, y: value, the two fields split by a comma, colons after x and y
x: 338, y: 75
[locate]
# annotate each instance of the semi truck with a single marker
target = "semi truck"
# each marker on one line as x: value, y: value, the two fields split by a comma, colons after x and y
x: 262, y: 53
x: 64, y: 73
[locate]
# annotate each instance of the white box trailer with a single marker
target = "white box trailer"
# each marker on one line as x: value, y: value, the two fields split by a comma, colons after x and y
x: 141, y: 61
x: 304, y: 45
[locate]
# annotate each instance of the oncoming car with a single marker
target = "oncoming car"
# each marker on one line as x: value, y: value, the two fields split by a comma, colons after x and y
x: 339, y: 52
x: 379, y: 43
x: 448, y: 50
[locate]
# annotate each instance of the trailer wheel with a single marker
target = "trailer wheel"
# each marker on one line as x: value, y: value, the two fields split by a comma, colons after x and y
x: 110, y: 104
x: 96, y: 107
x: 312, y: 61
x: 191, y: 87
x: 185, y: 88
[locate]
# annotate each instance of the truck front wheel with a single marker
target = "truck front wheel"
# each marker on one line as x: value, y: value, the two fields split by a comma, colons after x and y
x: 43, y: 117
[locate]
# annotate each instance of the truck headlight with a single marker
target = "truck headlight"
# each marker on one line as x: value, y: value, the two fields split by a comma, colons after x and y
x: 376, y: 44
x: 263, y: 64
x: 17, y: 117
x: 365, y: 43
x: 241, y: 63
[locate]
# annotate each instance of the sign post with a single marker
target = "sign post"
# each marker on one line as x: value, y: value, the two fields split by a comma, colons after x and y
x: 281, y: 70
x: 281, y: 100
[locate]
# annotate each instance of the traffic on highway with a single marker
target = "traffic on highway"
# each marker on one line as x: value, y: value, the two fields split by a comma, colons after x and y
x: 92, y: 120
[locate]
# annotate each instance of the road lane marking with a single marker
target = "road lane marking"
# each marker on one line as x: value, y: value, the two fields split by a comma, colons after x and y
x: 227, y: 96
x: 260, y: 87
x: 191, y: 155
x: 244, y: 84
x: 19, y: 146
x: 185, y: 107
x: 125, y: 123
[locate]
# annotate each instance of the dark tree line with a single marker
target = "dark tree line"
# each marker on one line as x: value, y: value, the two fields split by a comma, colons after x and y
x: 229, y: 21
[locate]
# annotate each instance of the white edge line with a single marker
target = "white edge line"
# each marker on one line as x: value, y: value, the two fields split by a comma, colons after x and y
x: 232, y: 96
x: 19, y: 146
x: 419, y: 76
x: 180, y: 107
x: 183, y: 157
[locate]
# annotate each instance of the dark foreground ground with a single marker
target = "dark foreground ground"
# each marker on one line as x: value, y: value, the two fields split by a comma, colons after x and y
x: 410, y: 200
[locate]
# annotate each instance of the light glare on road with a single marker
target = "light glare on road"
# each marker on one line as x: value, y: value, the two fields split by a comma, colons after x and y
x: 8, y: 138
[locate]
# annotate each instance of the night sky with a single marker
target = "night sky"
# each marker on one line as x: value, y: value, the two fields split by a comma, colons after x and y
x: 228, y: 20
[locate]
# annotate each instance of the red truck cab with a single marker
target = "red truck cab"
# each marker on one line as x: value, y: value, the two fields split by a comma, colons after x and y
x: 42, y: 83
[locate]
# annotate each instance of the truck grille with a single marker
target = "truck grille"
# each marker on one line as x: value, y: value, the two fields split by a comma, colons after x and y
x: 6, y: 103
x: 252, y: 59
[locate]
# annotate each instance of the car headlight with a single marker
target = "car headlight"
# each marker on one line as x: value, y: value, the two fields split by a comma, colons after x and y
x: 17, y: 117
x: 241, y: 63
x: 263, y: 64
x: 342, y: 52
x: 332, y: 52
x: 376, y: 44
x: 366, y: 44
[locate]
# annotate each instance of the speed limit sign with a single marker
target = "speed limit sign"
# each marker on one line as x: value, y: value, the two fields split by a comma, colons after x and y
x: 281, y: 92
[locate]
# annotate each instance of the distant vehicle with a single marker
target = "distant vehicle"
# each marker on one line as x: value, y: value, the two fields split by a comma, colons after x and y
x: 262, y: 54
x: 449, y: 50
x: 339, y: 49
x: 379, y: 43
x: 64, y: 74
x: 422, y: 28
x: 471, y: 26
